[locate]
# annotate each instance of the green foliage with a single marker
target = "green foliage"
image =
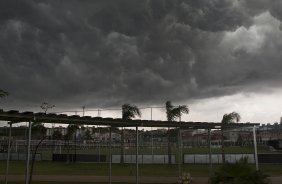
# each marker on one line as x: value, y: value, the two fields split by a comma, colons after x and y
x: 130, y: 111
x: 87, y: 135
x: 57, y: 135
x: 38, y: 130
x: 231, y: 118
x: 175, y: 112
x: 71, y: 130
x: 239, y: 173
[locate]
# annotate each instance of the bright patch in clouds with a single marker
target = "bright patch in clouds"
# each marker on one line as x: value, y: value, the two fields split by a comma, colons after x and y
x: 258, y: 108
x: 251, y: 39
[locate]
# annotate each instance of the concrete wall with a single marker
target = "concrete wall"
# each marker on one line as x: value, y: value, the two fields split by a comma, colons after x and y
x: 216, y: 158
x: 144, y: 159
x: 18, y: 156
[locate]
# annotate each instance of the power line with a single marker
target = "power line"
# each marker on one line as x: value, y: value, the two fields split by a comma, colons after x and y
x: 99, y: 110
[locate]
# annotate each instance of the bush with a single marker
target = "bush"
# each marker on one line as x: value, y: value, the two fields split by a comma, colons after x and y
x: 239, y: 173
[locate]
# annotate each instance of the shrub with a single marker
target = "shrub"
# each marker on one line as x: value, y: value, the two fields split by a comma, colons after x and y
x: 239, y: 173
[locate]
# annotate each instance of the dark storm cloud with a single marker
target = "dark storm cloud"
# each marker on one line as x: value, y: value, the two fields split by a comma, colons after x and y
x: 105, y: 53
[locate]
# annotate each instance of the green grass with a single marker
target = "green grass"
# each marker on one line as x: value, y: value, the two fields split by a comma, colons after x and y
x: 55, y: 168
x: 52, y: 182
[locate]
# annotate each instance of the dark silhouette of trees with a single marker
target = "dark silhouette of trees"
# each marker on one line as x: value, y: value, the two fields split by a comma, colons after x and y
x: 173, y: 113
x: 232, y: 117
x: 57, y: 135
x: 128, y: 112
x: 46, y: 106
x: 71, y: 134
x: 39, y: 133
x: 87, y: 135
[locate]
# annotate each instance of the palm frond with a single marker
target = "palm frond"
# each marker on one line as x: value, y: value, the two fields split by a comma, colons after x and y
x: 3, y: 93
x: 175, y: 112
x: 130, y: 111
x: 231, y: 117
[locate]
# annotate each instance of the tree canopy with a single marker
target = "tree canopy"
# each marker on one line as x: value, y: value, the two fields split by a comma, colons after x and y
x: 130, y: 111
x: 232, y: 117
x: 175, y: 112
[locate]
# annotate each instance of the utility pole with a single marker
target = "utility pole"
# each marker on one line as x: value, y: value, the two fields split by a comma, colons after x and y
x: 83, y: 108
x: 9, y: 153
x: 255, y: 147
x: 152, y: 139
x: 99, y: 113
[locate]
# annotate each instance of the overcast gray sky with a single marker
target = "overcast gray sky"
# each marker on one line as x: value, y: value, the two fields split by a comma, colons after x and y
x: 217, y: 56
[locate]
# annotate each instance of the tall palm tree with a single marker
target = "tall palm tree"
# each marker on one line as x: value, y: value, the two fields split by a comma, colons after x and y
x: 128, y: 112
x: 3, y: 93
x: 71, y: 133
x: 232, y: 117
x: 39, y: 132
x: 172, y: 113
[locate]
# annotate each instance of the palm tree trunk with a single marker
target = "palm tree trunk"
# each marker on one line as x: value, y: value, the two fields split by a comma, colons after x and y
x: 122, y: 147
x: 33, y: 160
x: 168, y: 147
x: 68, y: 151
x: 222, y: 146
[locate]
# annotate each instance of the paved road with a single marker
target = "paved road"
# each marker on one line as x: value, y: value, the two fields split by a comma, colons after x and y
x: 66, y: 178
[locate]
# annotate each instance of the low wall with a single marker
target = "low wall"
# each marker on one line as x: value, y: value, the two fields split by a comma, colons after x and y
x: 18, y: 156
x: 216, y: 158
x: 144, y: 159
x: 78, y: 158
x: 156, y: 159
x: 270, y: 158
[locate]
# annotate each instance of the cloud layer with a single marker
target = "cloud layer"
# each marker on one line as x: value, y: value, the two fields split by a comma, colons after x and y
x: 105, y: 53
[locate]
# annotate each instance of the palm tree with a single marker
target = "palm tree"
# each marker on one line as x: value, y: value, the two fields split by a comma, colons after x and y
x: 232, y: 117
x: 171, y: 114
x: 57, y: 135
x: 39, y: 132
x: 3, y: 93
x: 71, y: 132
x: 128, y: 112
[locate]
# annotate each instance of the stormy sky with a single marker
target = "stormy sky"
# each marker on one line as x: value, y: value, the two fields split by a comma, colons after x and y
x: 216, y: 56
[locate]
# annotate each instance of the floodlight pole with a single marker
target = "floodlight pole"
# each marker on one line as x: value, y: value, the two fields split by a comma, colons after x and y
x: 209, y: 144
x: 9, y: 153
x: 179, y: 149
x: 110, y: 155
x: 179, y: 152
x: 152, y: 141
x: 83, y: 109
x: 28, y: 153
x: 255, y: 147
x: 137, y: 171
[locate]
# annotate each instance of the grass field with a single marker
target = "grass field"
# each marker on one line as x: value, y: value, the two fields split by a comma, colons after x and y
x: 52, y: 182
x: 55, y: 168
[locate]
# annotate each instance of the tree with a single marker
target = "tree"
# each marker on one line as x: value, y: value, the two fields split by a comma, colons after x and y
x: 87, y: 135
x: 3, y: 93
x: 39, y: 133
x: 128, y: 112
x: 239, y: 173
x: 46, y: 106
x: 71, y: 134
x: 57, y: 135
x: 173, y: 113
x: 239, y: 140
x: 232, y: 117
